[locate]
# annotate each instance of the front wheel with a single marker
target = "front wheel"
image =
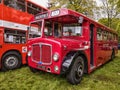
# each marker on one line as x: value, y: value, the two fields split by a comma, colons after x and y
x: 75, y: 74
x: 11, y: 60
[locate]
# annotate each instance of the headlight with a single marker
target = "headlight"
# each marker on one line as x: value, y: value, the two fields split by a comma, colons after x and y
x: 56, y: 57
x: 56, y: 68
x: 29, y: 53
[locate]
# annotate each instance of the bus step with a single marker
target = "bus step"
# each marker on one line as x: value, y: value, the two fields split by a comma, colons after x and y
x: 92, y: 67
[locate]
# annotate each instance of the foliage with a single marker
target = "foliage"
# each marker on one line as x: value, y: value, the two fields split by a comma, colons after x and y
x: 106, y: 77
x: 118, y: 4
x: 114, y: 25
x: 103, y: 21
x: 55, y: 4
x: 118, y: 30
x: 110, y: 8
x: 83, y: 6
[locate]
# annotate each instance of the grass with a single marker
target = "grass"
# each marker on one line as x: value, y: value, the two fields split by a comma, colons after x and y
x: 106, y: 77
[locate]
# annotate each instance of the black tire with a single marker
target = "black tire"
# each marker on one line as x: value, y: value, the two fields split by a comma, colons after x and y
x: 11, y: 60
x: 33, y: 69
x: 76, y: 72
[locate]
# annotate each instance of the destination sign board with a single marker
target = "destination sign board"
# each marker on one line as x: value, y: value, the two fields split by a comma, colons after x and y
x: 40, y: 16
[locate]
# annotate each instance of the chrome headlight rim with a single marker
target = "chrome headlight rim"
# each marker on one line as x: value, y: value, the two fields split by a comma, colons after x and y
x: 56, y: 57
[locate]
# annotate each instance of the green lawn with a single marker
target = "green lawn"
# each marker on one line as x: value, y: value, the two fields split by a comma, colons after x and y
x: 106, y: 77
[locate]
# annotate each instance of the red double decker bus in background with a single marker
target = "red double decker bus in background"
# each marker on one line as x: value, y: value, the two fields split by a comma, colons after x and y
x: 69, y: 43
x: 14, y: 20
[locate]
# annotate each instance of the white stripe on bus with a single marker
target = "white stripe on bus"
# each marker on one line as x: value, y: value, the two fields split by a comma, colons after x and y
x: 13, y: 25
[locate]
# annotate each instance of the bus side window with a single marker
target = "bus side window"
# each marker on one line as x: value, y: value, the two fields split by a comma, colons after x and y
x: 57, y: 30
x: 99, y: 34
x: 110, y: 36
x: 33, y: 9
x: 21, y: 5
x: 48, y: 28
x: 104, y: 36
x: 107, y: 35
x: 17, y: 4
x: 14, y: 36
x: 0, y: 1
x: 113, y: 37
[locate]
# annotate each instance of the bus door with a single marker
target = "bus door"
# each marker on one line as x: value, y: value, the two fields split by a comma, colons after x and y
x: 92, y: 57
x: 1, y: 37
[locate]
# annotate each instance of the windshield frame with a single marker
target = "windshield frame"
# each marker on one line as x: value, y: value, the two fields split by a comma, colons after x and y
x: 42, y: 22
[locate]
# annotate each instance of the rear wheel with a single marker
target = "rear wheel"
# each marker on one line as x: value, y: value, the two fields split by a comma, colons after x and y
x: 75, y: 74
x: 11, y: 60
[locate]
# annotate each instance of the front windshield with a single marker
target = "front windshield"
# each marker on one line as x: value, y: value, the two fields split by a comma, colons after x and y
x: 35, y: 29
x: 72, y: 29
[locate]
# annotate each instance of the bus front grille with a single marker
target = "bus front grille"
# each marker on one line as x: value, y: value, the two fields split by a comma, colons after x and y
x: 36, y: 52
x: 42, y: 53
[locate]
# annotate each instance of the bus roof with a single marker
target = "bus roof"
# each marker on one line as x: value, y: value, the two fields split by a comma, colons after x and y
x: 50, y: 14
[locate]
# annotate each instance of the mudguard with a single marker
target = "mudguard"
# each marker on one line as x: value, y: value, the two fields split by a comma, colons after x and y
x: 67, y: 61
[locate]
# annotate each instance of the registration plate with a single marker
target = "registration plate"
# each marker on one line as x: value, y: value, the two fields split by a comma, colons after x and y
x: 41, y: 67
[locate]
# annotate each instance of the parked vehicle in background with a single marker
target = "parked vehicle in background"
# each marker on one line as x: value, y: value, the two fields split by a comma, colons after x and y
x: 15, y: 16
x: 69, y: 43
x: 119, y: 46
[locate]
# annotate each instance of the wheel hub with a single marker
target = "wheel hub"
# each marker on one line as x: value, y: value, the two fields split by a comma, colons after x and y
x: 11, y: 61
x: 80, y: 71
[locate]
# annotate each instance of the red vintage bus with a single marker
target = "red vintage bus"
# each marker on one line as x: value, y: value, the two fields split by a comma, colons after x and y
x: 69, y: 43
x: 14, y: 20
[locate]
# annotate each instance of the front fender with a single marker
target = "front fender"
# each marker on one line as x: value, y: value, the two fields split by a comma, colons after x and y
x: 67, y: 61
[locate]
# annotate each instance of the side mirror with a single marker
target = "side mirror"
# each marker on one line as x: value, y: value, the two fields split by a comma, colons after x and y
x: 80, y: 20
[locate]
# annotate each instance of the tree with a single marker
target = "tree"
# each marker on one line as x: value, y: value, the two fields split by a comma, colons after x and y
x: 86, y: 7
x: 55, y: 4
x: 115, y: 23
x: 111, y: 10
x: 118, y: 30
x: 118, y: 4
x: 103, y: 21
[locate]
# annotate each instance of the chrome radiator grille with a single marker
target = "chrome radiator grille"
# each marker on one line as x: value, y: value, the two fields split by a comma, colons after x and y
x: 42, y: 53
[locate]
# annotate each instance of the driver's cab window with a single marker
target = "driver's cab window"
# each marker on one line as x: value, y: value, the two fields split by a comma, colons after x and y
x: 48, y: 28
x: 35, y: 29
x: 57, y: 29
